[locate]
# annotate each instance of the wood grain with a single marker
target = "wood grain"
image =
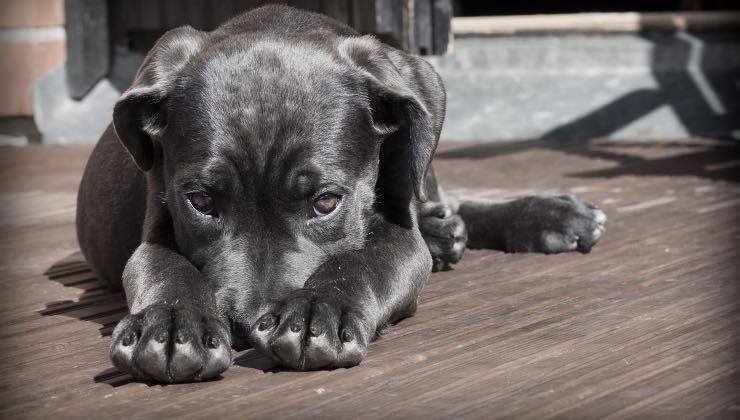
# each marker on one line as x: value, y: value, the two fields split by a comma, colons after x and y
x: 645, y: 326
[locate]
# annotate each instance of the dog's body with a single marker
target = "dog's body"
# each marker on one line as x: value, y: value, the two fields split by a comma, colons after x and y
x: 279, y: 196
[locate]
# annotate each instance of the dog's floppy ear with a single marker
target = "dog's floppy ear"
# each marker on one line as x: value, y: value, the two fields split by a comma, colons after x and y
x: 139, y: 116
x: 407, y: 101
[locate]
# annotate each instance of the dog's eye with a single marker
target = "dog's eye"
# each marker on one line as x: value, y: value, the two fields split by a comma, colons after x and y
x: 326, y: 203
x: 202, y: 202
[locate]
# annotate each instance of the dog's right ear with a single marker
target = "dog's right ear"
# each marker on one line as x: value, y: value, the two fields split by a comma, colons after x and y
x: 139, y: 116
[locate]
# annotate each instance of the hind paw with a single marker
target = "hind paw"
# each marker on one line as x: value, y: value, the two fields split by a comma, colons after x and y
x: 553, y: 225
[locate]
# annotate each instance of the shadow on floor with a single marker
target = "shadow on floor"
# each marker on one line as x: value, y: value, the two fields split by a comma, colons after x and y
x: 96, y: 304
x: 705, y: 159
x: 101, y: 305
x: 252, y: 359
x: 718, y: 162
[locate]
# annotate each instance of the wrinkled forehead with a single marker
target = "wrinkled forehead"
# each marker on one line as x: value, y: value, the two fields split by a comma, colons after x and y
x: 267, y: 101
x: 259, y: 87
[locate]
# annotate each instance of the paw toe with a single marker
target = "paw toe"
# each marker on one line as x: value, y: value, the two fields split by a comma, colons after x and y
x: 590, y: 237
x: 122, y: 355
x: 286, y: 346
x: 152, y: 359
x: 599, y: 216
x: 218, y: 361
x: 321, y: 351
x: 287, y: 341
x: 597, y: 232
x: 556, y: 242
x: 185, y: 361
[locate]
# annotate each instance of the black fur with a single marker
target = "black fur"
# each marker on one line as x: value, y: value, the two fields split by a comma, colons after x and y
x: 266, y: 112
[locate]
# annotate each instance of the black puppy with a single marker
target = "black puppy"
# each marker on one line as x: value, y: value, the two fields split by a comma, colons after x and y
x: 280, y: 195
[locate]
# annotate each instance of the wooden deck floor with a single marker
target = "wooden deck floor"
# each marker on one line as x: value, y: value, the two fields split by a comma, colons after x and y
x: 644, y: 326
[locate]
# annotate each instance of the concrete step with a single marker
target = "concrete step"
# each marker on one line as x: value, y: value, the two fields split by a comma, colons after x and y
x: 616, y: 85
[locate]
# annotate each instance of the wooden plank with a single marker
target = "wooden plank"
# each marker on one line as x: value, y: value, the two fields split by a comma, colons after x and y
x: 641, y: 327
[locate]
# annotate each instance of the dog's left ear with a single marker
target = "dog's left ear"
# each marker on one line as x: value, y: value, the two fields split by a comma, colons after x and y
x: 407, y: 101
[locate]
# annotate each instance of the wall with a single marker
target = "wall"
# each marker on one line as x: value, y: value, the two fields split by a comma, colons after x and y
x: 32, y: 42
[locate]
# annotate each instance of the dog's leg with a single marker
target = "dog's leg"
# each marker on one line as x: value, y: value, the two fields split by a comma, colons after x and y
x: 533, y: 224
x: 330, y: 321
x: 443, y: 231
x: 529, y: 224
x: 173, y: 333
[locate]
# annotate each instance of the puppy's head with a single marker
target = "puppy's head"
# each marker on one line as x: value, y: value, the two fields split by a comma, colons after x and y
x: 270, y: 155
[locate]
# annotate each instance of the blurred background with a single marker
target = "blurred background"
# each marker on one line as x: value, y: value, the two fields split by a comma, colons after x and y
x: 649, y: 69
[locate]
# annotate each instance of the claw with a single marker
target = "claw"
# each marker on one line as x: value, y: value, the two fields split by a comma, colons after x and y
x: 266, y: 323
x: 212, y: 342
x: 296, y: 326
x: 347, y: 336
x: 128, y: 339
x: 316, y: 330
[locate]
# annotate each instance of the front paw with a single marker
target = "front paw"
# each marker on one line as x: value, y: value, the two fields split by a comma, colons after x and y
x: 444, y: 233
x: 171, y: 344
x: 556, y: 224
x: 308, y: 331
